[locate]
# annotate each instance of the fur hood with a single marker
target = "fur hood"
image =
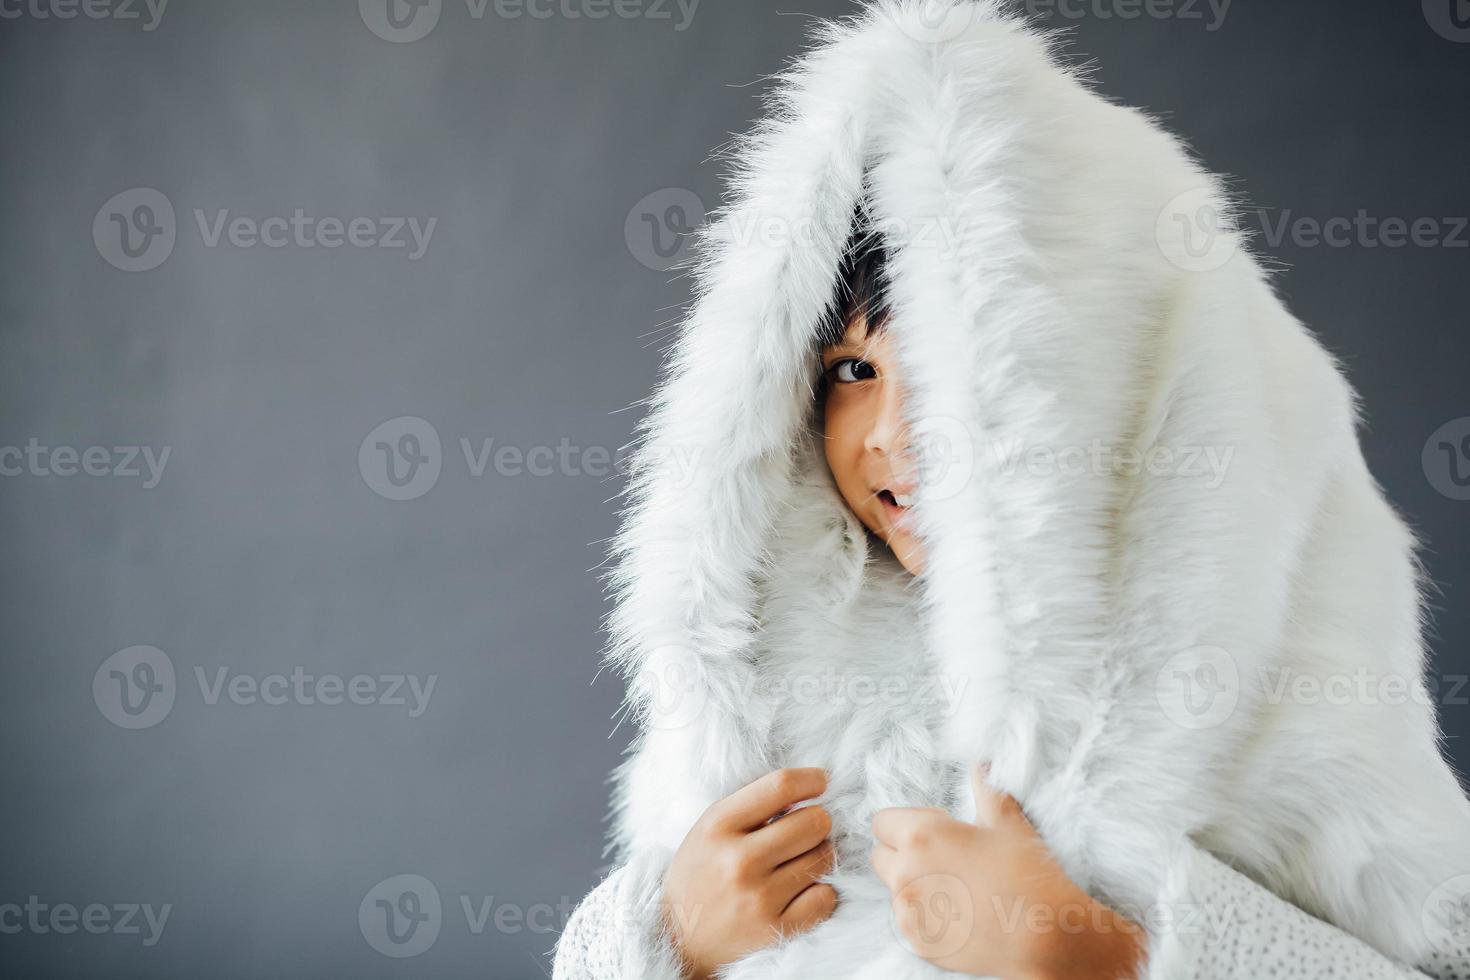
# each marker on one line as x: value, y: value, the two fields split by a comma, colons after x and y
x: 1150, y: 532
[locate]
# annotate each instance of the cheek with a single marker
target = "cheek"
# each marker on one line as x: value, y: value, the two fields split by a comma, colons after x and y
x: 843, y: 443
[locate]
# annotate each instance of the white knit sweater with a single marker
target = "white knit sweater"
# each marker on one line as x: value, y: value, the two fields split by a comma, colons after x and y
x: 615, y: 934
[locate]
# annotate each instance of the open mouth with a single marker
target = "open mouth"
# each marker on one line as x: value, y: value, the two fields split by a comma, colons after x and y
x: 895, y: 505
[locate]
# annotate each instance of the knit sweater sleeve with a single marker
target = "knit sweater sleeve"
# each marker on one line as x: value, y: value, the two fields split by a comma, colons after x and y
x: 617, y: 932
x: 1220, y: 924
x: 1212, y: 923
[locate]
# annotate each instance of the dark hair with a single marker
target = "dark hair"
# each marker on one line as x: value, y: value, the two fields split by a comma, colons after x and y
x: 862, y: 287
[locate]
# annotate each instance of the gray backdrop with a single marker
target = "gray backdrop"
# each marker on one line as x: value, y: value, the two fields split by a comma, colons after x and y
x: 207, y: 703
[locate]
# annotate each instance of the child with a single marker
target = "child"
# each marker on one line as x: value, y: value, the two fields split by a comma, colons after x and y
x: 1016, y: 506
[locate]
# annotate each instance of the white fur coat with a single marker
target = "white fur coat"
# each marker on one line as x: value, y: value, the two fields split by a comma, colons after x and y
x: 1164, y: 596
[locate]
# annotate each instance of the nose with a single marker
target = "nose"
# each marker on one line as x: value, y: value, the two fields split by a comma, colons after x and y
x: 887, y: 435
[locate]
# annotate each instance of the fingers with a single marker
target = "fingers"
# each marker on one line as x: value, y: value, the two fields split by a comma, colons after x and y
x: 751, y: 806
x: 811, y: 907
x: 897, y: 825
x: 798, y: 874
x: 795, y: 833
x: 992, y: 807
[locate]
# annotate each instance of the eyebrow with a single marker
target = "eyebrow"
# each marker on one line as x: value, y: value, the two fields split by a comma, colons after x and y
x: 846, y: 342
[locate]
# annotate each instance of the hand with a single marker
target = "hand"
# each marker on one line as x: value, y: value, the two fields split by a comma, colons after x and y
x: 989, y: 898
x: 743, y: 879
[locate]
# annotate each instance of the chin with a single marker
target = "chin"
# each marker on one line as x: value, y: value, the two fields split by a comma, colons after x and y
x: 906, y: 550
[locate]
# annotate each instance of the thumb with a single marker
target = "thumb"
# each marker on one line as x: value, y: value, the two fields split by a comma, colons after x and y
x: 991, y: 805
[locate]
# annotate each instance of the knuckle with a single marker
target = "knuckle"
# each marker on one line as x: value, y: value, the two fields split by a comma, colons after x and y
x: 748, y: 906
x: 948, y: 832
x: 711, y: 818
x: 731, y: 866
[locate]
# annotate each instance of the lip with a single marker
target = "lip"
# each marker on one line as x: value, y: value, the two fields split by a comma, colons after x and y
x: 907, y: 489
x: 898, y: 517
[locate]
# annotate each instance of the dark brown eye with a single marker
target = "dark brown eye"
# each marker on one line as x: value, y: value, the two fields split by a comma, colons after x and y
x: 851, y: 369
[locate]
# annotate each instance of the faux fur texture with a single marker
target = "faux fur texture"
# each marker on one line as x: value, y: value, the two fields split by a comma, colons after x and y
x: 1123, y: 637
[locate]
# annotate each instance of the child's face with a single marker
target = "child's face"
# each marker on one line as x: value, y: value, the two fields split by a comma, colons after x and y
x: 866, y: 438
